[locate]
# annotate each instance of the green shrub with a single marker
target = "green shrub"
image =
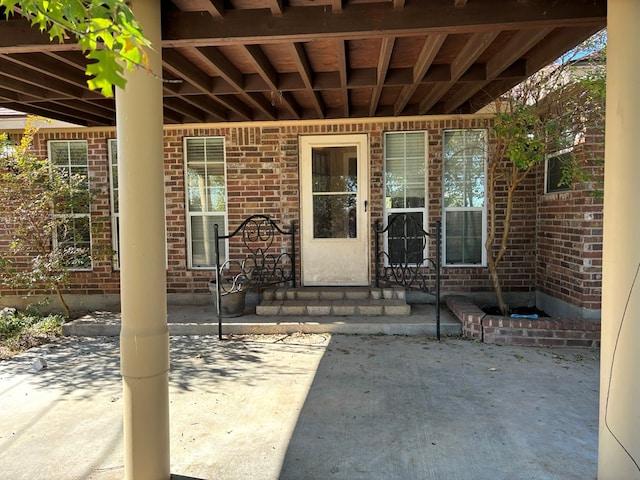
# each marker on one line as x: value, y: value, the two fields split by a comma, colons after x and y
x: 22, y: 330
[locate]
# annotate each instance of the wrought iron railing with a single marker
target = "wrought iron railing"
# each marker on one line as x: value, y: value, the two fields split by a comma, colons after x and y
x: 263, y: 254
x: 403, y: 262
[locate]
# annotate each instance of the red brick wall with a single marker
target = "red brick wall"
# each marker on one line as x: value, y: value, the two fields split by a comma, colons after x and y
x: 262, y: 177
x: 569, y: 253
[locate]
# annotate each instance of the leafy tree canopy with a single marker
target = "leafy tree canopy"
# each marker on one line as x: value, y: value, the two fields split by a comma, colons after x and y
x: 106, y: 31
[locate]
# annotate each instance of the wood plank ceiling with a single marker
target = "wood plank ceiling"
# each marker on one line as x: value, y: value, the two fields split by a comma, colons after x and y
x: 246, y: 60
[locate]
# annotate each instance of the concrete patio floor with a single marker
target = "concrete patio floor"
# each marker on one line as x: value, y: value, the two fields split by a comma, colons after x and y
x: 312, y: 406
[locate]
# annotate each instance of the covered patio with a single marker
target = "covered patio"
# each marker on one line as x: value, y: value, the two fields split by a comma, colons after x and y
x: 243, y: 61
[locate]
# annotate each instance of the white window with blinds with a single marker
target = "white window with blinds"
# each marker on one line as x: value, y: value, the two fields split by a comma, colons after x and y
x: 74, y: 237
x: 405, y: 155
x: 114, y: 195
x: 464, y: 192
x: 206, y: 200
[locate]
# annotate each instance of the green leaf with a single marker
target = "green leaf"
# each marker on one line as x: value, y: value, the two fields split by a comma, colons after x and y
x: 106, y: 72
x: 98, y: 26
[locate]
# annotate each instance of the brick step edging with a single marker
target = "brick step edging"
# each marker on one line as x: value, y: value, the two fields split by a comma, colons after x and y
x: 500, y: 330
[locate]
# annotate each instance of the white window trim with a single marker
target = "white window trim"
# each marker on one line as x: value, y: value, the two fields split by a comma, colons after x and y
x: 74, y: 215
x: 115, y: 216
x: 483, y: 209
x: 390, y: 211
x: 189, y: 215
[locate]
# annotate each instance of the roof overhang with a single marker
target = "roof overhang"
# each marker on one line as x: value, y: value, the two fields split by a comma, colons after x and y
x: 247, y: 60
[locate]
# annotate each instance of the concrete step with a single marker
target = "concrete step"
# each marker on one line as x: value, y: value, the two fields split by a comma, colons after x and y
x: 334, y: 301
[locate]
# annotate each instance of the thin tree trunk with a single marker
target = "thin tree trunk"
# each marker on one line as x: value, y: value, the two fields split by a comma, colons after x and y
x: 497, y: 287
x: 493, y: 260
x: 67, y: 311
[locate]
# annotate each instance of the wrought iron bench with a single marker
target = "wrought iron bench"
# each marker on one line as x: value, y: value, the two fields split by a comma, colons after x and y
x: 405, y: 263
x: 260, y: 253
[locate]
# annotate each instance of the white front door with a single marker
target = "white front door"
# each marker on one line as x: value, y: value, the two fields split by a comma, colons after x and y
x: 334, y: 197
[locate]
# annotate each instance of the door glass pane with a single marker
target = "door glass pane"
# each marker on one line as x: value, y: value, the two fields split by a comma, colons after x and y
x: 334, y: 169
x: 335, y: 187
x: 334, y: 216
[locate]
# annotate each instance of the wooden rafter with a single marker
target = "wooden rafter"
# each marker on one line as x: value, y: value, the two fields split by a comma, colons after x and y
x: 268, y: 73
x: 425, y: 58
x: 304, y: 68
x: 521, y: 43
x: 232, y: 76
x: 179, y: 66
x: 343, y: 63
x: 384, y: 58
x: 539, y: 57
x: 276, y: 7
x: 214, y: 7
x: 475, y: 46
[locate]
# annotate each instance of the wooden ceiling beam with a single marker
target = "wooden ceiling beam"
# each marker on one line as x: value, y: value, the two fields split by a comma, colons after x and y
x: 234, y: 77
x: 73, y: 59
x: 204, y: 102
x: 538, y: 58
x: 103, y: 110
x: 26, y: 74
x: 171, y: 117
x: 29, y: 91
x: 182, y: 68
x: 211, y: 108
x: 17, y: 36
x: 476, y: 45
x: 50, y: 66
x: 44, y: 110
x: 520, y: 44
x: 343, y: 63
x: 276, y: 7
x: 429, y: 51
x: 384, y: 57
x: 214, y: 57
x: 214, y: 7
x: 236, y: 106
x: 398, y: 5
x: 364, y: 20
x: 15, y: 96
x: 86, y: 111
x: 183, y: 108
x: 268, y: 73
x: 304, y: 68
x: 71, y: 111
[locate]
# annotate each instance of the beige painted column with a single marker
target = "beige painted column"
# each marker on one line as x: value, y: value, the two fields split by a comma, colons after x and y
x: 619, y: 442
x: 144, y: 338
